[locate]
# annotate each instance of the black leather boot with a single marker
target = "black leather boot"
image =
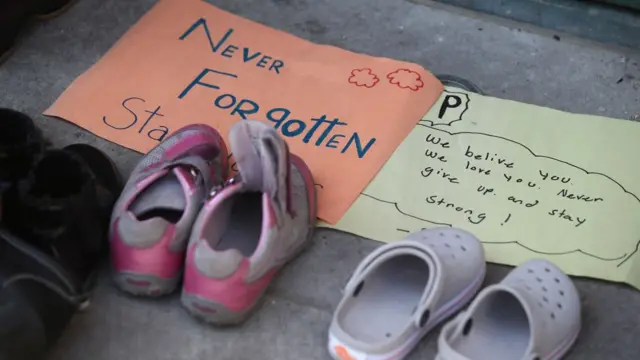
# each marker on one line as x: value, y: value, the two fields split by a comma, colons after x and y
x: 63, y: 206
x: 54, y: 235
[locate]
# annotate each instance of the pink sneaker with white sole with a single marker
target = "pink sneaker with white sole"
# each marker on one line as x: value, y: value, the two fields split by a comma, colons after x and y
x: 249, y: 227
x: 152, y: 219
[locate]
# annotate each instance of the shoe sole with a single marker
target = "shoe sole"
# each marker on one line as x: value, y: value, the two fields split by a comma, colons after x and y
x: 213, y: 313
x: 145, y: 285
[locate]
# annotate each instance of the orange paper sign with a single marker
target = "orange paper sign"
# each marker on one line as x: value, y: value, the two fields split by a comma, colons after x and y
x: 189, y: 62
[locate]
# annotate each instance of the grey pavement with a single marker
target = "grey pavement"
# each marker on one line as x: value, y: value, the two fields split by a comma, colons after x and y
x: 505, y: 59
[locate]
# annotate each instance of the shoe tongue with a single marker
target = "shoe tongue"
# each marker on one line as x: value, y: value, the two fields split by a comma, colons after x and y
x: 166, y: 192
x: 260, y: 155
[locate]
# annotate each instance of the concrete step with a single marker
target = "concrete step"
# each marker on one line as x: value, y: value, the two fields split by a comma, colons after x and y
x: 606, y: 21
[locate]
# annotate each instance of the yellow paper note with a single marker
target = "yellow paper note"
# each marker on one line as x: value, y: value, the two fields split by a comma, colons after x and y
x: 529, y: 181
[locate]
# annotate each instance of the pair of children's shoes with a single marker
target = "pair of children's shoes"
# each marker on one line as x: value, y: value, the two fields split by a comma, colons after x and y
x: 179, y: 218
x: 402, y: 290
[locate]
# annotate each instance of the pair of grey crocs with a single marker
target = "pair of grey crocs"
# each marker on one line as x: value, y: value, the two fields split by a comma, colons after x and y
x: 402, y: 290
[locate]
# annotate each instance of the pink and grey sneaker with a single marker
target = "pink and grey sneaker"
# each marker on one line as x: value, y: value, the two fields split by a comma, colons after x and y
x: 249, y: 227
x: 152, y: 219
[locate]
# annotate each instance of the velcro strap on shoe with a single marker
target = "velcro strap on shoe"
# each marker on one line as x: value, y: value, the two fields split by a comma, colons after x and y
x: 199, y: 164
x: 262, y: 158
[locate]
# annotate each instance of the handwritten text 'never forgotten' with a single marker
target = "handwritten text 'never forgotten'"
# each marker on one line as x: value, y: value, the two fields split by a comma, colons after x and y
x: 321, y: 131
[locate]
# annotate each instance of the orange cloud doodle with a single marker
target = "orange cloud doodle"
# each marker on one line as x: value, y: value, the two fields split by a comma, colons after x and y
x: 363, y: 77
x: 406, y: 79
